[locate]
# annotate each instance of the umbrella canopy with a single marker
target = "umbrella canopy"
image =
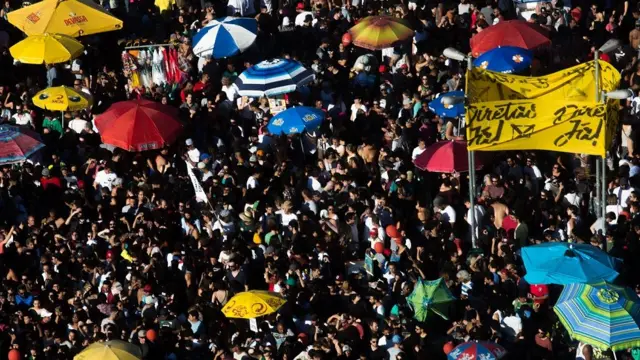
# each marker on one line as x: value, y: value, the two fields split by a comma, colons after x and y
x: 61, y: 98
x: 517, y: 33
x: 110, y: 350
x: 225, y: 37
x: 451, y: 111
x: 430, y: 297
x: 17, y: 144
x: 505, y: 59
x: 253, y: 304
x: 445, y: 157
x: 477, y: 350
x: 296, y: 120
x: 273, y: 77
x: 46, y: 49
x: 602, y: 315
x: 139, y: 125
x: 66, y: 17
x: 565, y: 263
x: 379, y: 32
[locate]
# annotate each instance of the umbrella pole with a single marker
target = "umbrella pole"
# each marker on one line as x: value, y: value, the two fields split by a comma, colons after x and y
x: 471, y: 162
x: 603, y: 167
x: 62, y: 120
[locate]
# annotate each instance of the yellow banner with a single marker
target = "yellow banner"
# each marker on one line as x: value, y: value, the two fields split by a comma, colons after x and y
x: 575, y: 127
x: 573, y: 84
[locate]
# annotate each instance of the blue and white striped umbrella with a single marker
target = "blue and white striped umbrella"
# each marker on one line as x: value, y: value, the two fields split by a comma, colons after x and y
x: 273, y: 77
x: 225, y: 37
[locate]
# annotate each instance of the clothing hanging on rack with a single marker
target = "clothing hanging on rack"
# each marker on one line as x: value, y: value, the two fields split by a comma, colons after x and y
x: 144, y: 60
x: 130, y: 69
x: 159, y: 77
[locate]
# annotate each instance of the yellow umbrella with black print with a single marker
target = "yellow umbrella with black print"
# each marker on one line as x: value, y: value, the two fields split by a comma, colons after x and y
x: 253, y: 304
x: 61, y: 98
x: 110, y: 350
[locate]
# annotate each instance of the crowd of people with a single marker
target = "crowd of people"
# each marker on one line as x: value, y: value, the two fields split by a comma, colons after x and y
x: 99, y: 243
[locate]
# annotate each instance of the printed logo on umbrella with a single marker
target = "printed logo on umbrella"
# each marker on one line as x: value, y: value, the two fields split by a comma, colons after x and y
x: 75, y: 19
x: 34, y: 17
x: 75, y: 98
x: 43, y: 96
x: 309, y: 117
x: 517, y: 58
x: 484, y: 64
x: 293, y: 129
x: 278, y: 122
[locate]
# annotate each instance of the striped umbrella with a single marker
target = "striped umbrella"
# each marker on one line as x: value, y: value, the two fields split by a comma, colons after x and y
x: 17, y: 144
x: 379, y: 32
x: 273, y: 77
x: 600, y: 314
x: 225, y: 37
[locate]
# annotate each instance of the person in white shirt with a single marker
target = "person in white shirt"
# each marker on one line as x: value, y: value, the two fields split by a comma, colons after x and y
x: 622, y: 192
x: 447, y: 212
x: 77, y: 124
x: 356, y: 107
x: 105, y: 178
x: 285, y: 213
x: 192, y: 152
x: 22, y: 117
x: 479, y: 212
x: 418, y: 149
x: 252, y: 181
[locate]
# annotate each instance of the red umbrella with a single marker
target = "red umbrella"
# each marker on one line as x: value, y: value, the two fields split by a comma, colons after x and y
x: 516, y: 33
x: 139, y: 125
x: 445, y: 157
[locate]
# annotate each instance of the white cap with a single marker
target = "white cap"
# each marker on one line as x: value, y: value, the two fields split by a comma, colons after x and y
x: 188, y: 142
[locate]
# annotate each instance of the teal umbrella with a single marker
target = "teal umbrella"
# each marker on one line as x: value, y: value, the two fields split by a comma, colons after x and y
x: 430, y: 297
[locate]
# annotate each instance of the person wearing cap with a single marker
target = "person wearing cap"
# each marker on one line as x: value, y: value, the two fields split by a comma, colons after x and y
x: 193, y: 154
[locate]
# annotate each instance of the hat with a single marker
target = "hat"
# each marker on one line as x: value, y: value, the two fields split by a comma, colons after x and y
x: 246, y: 216
x: 253, y: 158
x: 269, y: 250
x: 404, y: 66
x: 286, y: 21
x: 109, y: 254
x: 339, y: 277
x: 204, y: 157
x: 396, y: 339
x: 188, y: 142
x: 147, y: 288
x: 346, y: 348
x: 224, y: 213
x: 142, y: 333
x: 201, y: 165
x: 45, y: 172
x: 300, y: 6
x: 382, y: 69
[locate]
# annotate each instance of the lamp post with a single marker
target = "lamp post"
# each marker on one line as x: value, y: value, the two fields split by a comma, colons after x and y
x: 601, y: 172
x: 455, y: 54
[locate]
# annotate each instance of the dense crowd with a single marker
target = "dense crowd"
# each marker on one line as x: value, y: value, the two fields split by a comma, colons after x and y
x: 99, y: 243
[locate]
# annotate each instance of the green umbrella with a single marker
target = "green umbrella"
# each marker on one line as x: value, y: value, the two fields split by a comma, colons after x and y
x: 430, y: 297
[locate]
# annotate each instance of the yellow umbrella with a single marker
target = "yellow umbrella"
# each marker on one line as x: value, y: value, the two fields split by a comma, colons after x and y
x: 110, y: 350
x: 67, y: 17
x: 252, y: 304
x: 47, y: 49
x: 61, y: 98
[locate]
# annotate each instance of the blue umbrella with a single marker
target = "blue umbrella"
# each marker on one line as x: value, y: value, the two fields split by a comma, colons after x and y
x: 225, y: 37
x: 505, y: 59
x: 273, y: 77
x: 449, y: 111
x: 565, y: 263
x: 296, y: 120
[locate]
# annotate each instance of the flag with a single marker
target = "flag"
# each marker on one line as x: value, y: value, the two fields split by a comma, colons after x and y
x: 201, y: 196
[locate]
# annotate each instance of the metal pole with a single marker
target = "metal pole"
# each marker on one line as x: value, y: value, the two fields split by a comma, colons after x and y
x: 603, y: 172
x: 597, y: 195
x: 471, y: 161
x: 603, y: 201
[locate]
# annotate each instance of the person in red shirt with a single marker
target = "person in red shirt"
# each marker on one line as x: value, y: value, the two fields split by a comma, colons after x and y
x: 203, y: 85
x: 539, y: 293
x: 47, y: 180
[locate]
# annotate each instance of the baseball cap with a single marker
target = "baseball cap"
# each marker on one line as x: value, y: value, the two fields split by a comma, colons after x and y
x: 396, y: 339
x: 147, y: 288
x: 188, y: 142
x: 300, y: 6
